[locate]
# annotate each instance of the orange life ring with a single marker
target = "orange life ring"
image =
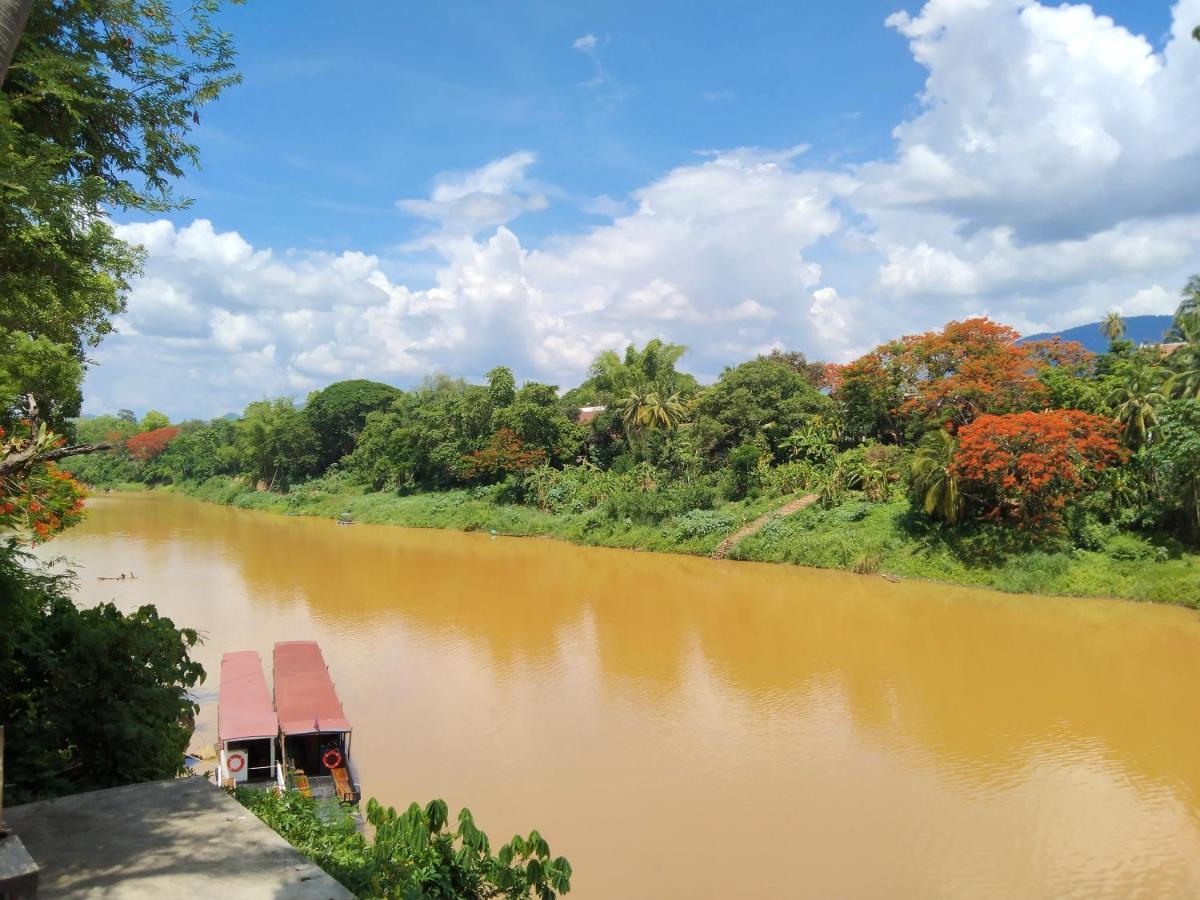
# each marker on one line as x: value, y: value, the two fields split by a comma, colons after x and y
x: 332, y: 759
x: 237, y: 763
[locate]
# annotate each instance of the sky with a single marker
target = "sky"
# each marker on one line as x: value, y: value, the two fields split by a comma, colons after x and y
x: 401, y: 189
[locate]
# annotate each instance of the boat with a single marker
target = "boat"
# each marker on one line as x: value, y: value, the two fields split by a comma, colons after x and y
x: 314, y: 733
x: 247, y: 727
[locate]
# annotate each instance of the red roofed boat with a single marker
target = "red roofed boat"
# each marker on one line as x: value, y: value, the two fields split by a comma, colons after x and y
x: 247, y: 727
x: 314, y: 733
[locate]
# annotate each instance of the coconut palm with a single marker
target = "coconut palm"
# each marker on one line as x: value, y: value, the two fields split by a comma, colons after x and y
x: 1189, y: 304
x: 1184, y: 362
x: 934, y: 481
x: 649, y: 408
x: 1113, y: 327
x: 1135, y: 397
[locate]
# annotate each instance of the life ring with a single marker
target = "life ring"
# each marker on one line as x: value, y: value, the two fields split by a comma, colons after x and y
x: 332, y: 759
x: 237, y: 763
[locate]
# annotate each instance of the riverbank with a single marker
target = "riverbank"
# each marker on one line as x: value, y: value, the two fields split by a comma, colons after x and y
x: 867, y: 538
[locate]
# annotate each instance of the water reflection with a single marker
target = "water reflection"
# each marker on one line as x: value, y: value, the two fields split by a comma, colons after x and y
x: 685, y: 728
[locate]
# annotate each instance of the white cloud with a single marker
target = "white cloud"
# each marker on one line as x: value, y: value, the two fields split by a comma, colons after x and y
x: 1048, y: 176
x: 466, y: 202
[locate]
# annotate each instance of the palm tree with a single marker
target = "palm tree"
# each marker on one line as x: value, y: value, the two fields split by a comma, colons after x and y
x: 647, y: 408
x: 1189, y: 304
x: 1184, y: 362
x: 1135, y: 397
x: 933, y: 477
x: 1113, y: 327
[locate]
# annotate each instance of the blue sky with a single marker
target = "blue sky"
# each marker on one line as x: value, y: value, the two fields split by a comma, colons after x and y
x: 401, y: 189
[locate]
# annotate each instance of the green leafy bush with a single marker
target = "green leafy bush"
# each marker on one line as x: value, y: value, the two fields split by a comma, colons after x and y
x: 413, y: 854
x: 702, y: 523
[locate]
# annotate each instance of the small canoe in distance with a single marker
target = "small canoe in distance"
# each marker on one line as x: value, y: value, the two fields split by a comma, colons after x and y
x: 345, y: 519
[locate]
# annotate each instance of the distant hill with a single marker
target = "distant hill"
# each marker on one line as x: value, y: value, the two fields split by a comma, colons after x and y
x: 1139, y: 329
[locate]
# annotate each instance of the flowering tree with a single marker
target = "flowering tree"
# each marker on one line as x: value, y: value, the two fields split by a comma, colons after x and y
x: 36, y: 498
x: 1024, y: 468
x: 505, y: 453
x: 149, y: 444
x: 948, y: 377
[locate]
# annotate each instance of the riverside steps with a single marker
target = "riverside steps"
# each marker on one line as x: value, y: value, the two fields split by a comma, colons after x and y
x: 179, y: 838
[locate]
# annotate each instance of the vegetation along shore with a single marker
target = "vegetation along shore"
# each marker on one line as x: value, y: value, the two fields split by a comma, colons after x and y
x: 963, y: 455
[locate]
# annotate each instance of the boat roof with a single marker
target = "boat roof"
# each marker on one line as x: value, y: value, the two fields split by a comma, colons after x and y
x: 305, y: 697
x: 244, y: 708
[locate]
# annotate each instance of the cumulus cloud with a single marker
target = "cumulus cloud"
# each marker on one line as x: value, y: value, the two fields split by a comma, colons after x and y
x: 1046, y: 177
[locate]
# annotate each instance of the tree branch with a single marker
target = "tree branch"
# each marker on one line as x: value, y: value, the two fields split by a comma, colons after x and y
x: 17, y: 462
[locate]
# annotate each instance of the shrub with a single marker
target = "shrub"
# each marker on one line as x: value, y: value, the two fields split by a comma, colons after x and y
x: 702, y: 523
x: 740, y: 477
x: 1129, y: 547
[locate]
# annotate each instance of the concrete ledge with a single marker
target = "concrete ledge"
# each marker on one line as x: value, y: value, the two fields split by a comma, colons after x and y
x: 180, y: 838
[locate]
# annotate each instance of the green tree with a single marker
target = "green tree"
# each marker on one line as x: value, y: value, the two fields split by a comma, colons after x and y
x: 653, y: 368
x: 1175, y: 460
x: 152, y: 420
x: 1134, y: 396
x: 338, y: 413
x: 934, y: 482
x: 91, y: 698
x: 275, y: 443
x: 1184, y: 362
x: 760, y: 402
x: 1188, y: 305
x: 95, y: 114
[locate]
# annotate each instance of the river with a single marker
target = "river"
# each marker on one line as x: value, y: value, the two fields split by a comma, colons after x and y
x: 684, y: 728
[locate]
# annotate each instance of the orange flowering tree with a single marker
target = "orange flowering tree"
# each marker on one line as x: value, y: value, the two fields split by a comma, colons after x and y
x: 939, y: 378
x: 37, y: 499
x: 1025, y: 468
x: 505, y: 454
x: 149, y: 444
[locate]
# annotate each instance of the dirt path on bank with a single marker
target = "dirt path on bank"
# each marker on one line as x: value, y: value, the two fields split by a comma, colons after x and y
x: 750, y: 528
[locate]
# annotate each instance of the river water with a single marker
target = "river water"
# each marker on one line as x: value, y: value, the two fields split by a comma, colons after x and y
x: 684, y: 728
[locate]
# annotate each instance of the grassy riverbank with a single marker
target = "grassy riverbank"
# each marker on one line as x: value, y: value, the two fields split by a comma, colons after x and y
x: 856, y: 535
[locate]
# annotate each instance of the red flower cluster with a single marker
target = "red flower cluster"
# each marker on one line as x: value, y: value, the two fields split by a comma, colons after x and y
x: 1025, y: 467
x: 505, y: 453
x: 149, y: 444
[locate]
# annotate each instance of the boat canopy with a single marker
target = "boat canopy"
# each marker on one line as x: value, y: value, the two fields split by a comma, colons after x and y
x: 304, y: 694
x: 244, y: 709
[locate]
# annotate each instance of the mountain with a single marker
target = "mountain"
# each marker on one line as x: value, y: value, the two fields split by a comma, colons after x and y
x: 1139, y: 329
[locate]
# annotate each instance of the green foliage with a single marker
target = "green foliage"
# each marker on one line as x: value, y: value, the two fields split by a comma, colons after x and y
x: 275, y: 443
x: 415, y: 853
x: 740, y: 477
x: 934, y: 483
x: 1175, y: 461
x: 338, y: 413
x: 91, y: 698
x: 762, y: 402
x: 99, y: 95
x: 153, y: 420
x: 702, y: 522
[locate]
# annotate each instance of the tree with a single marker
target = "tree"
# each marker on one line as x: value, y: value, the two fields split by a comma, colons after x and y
x: 1134, y: 397
x: 154, y: 420
x: 1025, y: 468
x: 275, y: 443
x: 907, y: 387
x: 98, y: 95
x: 13, y: 14
x: 338, y: 413
x: 505, y: 454
x: 1113, y: 327
x: 1184, y: 362
x: 652, y: 368
x: 760, y: 402
x: 934, y: 479
x: 1175, y: 461
x: 1189, y: 304
x: 90, y: 698
x: 149, y: 444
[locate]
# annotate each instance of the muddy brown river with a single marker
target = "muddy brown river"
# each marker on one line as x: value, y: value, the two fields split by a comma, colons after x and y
x: 685, y: 728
